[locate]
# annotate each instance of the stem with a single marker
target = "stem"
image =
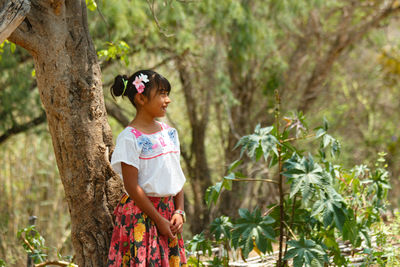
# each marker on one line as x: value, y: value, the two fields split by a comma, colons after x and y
x: 254, y: 180
x: 280, y: 183
x: 296, y: 138
x: 28, y: 244
x: 58, y: 263
x: 271, y: 209
x: 291, y: 223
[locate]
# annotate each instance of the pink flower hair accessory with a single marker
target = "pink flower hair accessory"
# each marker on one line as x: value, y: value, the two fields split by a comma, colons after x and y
x: 139, y: 82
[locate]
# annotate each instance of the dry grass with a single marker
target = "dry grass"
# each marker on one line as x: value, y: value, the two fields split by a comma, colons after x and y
x: 30, y: 185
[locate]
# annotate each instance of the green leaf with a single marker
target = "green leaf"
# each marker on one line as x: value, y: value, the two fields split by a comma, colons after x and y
x: 259, y: 144
x: 221, y: 226
x: 332, y: 206
x: 12, y: 47
x: 304, y: 176
x: 91, y: 5
x: 253, y: 228
x: 306, y: 253
x: 212, y: 193
x: 200, y: 243
x: 320, y: 133
x: 234, y: 165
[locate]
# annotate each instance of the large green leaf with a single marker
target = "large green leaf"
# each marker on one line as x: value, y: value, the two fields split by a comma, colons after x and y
x: 306, y: 253
x: 253, y: 228
x: 304, y: 176
x: 332, y: 207
x: 259, y: 144
x: 221, y: 226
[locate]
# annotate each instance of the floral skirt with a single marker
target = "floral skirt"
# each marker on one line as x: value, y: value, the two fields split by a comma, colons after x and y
x: 136, y: 241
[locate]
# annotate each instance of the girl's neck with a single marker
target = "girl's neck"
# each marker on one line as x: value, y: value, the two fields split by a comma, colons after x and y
x: 145, y: 122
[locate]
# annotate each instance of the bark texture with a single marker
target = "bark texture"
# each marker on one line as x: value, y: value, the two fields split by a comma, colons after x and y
x: 69, y: 82
x: 12, y: 13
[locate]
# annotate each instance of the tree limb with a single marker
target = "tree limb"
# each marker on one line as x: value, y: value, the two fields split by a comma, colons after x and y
x: 116, y: 113
x: 12, y: 13
x: 22, y: 127
x: 343, y: 40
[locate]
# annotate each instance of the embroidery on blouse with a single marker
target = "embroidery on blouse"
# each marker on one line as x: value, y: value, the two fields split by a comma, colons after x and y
x: 158, y: 143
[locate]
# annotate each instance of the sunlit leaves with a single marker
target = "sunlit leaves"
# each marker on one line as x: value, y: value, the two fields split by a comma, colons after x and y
x: 91, y: 5
x: 5, y: 43
x: 117, y: 50
x: 252, y: 228
x: 259, y: 144
x: 304, y: 175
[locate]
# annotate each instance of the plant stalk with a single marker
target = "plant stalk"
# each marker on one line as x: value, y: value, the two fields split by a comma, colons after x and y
x: 280, y: 181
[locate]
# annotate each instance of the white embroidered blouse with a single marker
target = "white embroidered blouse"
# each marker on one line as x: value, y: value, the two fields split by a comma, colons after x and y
x: 156, y: 156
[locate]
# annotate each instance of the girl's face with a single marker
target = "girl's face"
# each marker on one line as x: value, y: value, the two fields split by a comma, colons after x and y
x: 156, y: 105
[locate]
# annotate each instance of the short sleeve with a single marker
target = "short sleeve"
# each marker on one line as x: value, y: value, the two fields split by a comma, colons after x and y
x: 126, y: 151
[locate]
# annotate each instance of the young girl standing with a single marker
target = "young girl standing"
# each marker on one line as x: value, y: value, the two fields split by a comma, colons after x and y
x: 150, y: 216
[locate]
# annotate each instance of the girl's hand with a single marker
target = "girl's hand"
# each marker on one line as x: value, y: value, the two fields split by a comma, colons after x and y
x: 164, y: 227
x: 176, y: 224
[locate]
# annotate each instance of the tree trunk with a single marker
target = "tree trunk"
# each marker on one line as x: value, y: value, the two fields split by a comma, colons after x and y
x: 199, y: 172
x: 69, y: 82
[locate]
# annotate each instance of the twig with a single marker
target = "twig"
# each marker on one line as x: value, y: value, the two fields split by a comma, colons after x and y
x: 290, y: 230
x: 105, y: 22
x: 151, y: 6
x: 27, y: 243
x: 254, y: 180
x: 270, y: 209
x: 58, y: 263
x: 297, y: 138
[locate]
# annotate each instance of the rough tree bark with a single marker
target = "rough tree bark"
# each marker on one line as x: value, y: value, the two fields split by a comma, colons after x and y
x: 69, y: 81
x: 12, y: 13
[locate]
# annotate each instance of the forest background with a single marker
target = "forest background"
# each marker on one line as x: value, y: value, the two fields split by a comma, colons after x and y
x: 338, y: 60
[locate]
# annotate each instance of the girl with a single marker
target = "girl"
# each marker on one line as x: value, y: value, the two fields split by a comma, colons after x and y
x: 150, y: 215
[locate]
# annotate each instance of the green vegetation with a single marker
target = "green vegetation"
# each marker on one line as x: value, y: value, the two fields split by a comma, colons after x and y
x: 320, y: 203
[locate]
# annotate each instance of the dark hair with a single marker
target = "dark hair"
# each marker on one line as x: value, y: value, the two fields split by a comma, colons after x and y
x: 156, y: 81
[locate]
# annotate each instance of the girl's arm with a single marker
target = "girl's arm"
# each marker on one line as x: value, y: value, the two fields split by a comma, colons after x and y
x: 130, y: 177
x: 177, y: 220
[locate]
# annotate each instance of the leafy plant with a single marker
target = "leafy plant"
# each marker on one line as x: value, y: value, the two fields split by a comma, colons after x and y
x: 253, y: 230
x: 33, y: 244
x: 319, y: 202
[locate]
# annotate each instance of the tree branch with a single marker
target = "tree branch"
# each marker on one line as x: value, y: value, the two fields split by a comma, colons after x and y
x: 12, y: 13
x: 116, y: 113
x: 22, y: 127
x: 343, y: 40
